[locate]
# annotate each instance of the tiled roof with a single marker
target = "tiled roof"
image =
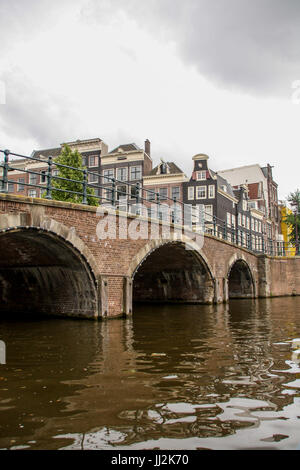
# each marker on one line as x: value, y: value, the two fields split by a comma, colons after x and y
x: 126, y: 148
x: 173, y: 169
x: 46, y: 153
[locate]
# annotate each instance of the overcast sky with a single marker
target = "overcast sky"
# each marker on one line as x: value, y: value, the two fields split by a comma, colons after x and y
x: 192, y: 76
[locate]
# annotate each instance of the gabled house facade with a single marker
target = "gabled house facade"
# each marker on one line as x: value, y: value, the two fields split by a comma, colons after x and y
x: 164, y: 184
x: 122, y: 172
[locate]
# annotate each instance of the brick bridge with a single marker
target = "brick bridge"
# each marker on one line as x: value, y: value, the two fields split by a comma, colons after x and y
x: 52, y: 262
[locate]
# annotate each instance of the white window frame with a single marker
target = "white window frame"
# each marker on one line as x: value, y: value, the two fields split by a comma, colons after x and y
x: 208, y: 213
x: 177, y: 197
x: 141, y: 172
x: 96, y: 161
x: 211, y: 191
x: 233, y: 220
x: 198, y: 189
x: 201, y: 175
x: 191, y: 193
x: 228, y: 219
x: 164, y: 198
x: 126, y: 173
x: 104, y: 177
x: 21, y: 184
x: 93, y: 178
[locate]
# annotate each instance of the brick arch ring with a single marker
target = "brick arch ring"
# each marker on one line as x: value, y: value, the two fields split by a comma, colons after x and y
x: 240, y: 257
x: 149, y: 248
x: 63, y: 233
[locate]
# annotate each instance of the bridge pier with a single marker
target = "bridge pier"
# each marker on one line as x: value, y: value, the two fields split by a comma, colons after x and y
x: 221, y: 290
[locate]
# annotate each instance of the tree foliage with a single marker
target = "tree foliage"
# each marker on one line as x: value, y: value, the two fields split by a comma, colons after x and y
x: 293, y: 219
x: 74, y: 178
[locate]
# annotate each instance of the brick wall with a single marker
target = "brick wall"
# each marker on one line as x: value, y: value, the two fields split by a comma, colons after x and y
x: 111, y: 263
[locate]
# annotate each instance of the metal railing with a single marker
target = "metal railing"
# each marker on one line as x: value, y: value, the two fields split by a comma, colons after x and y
x: 133, y: 198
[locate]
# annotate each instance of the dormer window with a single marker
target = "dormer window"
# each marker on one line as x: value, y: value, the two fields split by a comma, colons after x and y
x: 201, y: 175
x: 163, y: 169
x: 224, y: 188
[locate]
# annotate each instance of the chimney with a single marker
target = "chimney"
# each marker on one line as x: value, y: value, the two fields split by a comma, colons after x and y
x: 148, y: 147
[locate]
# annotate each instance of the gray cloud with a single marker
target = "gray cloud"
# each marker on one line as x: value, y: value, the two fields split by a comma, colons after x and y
x: 22, y: 19
x: 252, y: 45
x: 33, y: 113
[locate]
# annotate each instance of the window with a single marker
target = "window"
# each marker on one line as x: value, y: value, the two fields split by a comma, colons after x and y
x: 135, y: 173
x: 121, y: 192
x: 176, y: 192
x: 228, y: 221
x: 208, y: 213
x: 239, y: 219
x: 108, y: 175
x: 211, y: 191
x: 248, y: 223
x: 151, y: 195
x: 92, y: 160
x: 201, y: 192
x: 134, y: 192
x: 107, y: 195
x: 21, y: 186
x: 93, y: 178
x: 252, y: 205
x: 243, y: 221
x: 151, y: 213
x: 163, y: 168
x: 163, y: 213
x: 122, y: 174
x: 55, y: 172
x: 32, y: 193
x: 33, y: 179
x: 163, y: 193
x: 201, y: 175
x: 196, y: 214
x: 224, y: 188
x: 10, y: 187
x: 191, y: 193
x: 244, y: 205
x: 233, y: 220
x: 43, y: 177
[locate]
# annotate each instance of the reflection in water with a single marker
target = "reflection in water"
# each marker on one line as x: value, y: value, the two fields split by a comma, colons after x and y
x: 171, y: 377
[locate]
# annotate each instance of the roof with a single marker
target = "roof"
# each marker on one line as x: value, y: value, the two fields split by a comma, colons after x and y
x: 125, y: 148
x: 223, y: 182
x: 54, y: 152
x: 173, y: 169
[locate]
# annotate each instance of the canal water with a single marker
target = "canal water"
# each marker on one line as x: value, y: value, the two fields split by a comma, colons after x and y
x: 171, y: 377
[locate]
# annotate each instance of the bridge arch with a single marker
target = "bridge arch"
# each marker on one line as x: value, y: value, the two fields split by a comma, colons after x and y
x: 43, y: 273
x: 240, y: 279
x: 165, y: 271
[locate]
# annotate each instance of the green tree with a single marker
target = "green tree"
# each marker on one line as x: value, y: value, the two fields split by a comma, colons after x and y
x: 71, y: 159
x: 293, y: 219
